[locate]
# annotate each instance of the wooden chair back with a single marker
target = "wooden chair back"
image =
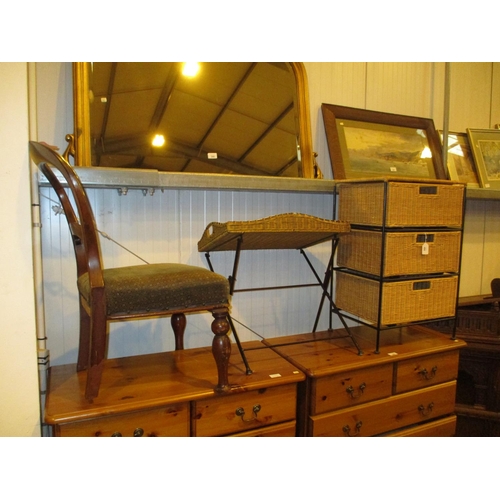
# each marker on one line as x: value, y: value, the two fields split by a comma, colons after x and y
x: 77, y: 210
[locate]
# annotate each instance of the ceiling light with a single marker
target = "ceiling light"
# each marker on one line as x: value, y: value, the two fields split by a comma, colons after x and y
x: 158, y: 140
x: 190, y: 69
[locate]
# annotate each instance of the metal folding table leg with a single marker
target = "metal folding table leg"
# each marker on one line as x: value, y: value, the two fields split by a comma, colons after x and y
x: 326, y: 294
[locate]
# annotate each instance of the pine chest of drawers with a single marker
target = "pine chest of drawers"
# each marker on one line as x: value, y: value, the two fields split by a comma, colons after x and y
x: 171, y: 394
x: 407, y: 389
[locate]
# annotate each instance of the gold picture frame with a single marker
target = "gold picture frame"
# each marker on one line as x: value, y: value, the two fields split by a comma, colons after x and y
x: 367, y: 144
x: 460, y: 160
x: 485, y: 146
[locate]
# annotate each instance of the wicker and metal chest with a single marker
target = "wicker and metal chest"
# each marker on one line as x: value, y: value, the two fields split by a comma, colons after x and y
x: 400, y: 263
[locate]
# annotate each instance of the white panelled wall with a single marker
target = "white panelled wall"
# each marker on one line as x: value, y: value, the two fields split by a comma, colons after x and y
x: 19, y: 401
x: 166, y: 226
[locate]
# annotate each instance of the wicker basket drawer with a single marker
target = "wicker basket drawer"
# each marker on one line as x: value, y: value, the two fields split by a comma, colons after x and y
x: 407, y: 203
x: 362, y: 251
x: 402, y: 301
x: 425, y: 371
x: 347, y: 389
x: 388, y: 414
x: 241, y: 412
x: 172, y: 421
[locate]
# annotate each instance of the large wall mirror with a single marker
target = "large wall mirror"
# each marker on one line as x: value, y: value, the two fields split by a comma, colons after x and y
x: 229, y: 118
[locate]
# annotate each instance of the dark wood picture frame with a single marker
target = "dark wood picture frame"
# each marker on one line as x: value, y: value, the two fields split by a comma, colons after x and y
x: 387, y: 144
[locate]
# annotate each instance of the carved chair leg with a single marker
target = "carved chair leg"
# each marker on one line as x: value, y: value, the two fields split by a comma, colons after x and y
x: 221, y: 348
x: 84, y: 345
x: 178, y: 322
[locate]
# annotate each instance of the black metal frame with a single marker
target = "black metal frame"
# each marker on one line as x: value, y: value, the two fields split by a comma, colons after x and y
x: 325, y: 284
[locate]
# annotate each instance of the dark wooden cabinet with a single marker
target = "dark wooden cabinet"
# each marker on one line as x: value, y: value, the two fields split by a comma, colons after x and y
x: 478, y: 381
x: 478, y: 395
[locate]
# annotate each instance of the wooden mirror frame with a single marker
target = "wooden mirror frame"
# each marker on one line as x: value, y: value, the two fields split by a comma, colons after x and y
x: 80, y: 146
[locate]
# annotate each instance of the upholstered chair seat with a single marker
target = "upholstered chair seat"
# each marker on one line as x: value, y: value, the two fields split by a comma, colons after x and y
x: 158, y: 288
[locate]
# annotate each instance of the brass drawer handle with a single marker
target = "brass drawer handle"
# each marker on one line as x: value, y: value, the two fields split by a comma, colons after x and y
x: 426, y: 411
x: 352, y: 392
x: 347, y: 430
x: 137, y: 433
x: 426, y: 375
x: 240, y: 412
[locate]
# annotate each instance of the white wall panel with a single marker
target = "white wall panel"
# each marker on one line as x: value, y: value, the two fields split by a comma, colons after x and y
x: 401, y: 88
x: 332, y: 83
x: 471, y: 278
x: 19, y: 406
x: 59, y: 276
x: 470, y: 95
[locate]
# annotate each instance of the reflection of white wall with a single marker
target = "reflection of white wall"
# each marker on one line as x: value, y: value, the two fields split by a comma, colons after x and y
x: 19, y: 408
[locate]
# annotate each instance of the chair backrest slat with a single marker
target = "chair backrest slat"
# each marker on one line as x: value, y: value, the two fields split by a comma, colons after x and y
x: 79, y: 214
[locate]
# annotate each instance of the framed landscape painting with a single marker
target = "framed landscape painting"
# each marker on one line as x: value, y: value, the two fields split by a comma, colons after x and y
x: 366, y: 144
x: 485, y: 145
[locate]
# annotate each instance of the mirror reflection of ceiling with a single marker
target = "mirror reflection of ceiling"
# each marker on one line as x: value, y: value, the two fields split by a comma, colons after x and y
x: 231, y: 118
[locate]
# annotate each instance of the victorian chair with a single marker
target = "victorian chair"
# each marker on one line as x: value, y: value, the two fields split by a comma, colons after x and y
x: 131, y: 292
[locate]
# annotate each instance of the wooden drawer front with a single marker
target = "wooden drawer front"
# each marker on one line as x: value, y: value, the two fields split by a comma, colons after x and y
x: 429, y: 370
x: 385, y: 415
x: 168, y: 421
x: 235, y: 413
x: 443, y: 427
x: 286, y: 429
x: 343, y: 390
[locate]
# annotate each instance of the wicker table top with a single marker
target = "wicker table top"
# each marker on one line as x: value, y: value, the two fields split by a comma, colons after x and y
x: 283, y: 231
